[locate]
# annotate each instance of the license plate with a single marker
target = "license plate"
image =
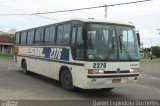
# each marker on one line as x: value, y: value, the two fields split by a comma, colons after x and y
x: 116, y: 80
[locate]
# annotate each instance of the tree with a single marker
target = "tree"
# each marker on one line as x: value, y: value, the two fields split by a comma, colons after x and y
x: 156, y: 51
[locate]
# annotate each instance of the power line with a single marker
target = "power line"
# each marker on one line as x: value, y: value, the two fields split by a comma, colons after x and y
x: 92, y: 7
x: 44, y: 17
x: 37, y: 14
x: 69, y: 10
x: 26, y: 13
x: 129, y: 3
x: 12, y: 14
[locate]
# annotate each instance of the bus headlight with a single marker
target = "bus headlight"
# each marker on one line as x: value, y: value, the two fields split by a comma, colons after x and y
x: 134, y: 70
x: 95, y: 71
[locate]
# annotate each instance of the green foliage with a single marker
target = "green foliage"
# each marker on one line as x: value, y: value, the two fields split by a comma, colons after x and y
x: 147, y: 49
x: 6, y: 56
x: 149, y: 61
x: 156, y: 51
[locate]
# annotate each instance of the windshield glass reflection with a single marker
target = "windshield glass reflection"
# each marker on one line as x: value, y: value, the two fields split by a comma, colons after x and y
x: 109, y: 42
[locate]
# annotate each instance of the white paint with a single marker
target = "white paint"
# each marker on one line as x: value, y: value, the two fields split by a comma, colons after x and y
x: 31, y: 51
x: 155, y: 78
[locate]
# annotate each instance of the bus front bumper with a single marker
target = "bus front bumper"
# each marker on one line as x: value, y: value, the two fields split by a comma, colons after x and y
x: 111, y: 80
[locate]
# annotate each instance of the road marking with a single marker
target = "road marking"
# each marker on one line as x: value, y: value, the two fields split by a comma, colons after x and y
x: 155, y: 78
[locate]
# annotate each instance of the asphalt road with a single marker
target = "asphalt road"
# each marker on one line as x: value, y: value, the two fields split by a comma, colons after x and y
x: 16, y: 86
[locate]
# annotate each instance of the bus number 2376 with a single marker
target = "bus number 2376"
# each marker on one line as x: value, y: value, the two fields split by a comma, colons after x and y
x: 99, y: 65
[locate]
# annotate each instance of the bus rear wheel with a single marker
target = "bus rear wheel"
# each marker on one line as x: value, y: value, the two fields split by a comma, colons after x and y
x: 66, y: 80
x: 24, y: 67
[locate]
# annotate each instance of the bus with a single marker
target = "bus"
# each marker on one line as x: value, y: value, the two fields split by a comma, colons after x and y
x: 81, y: 53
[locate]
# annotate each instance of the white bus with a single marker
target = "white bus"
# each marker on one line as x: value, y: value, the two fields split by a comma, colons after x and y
x: 83, y: 53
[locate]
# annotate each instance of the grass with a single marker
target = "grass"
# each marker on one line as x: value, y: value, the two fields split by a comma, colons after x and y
x: 6, y: 57
x: 149, y: 61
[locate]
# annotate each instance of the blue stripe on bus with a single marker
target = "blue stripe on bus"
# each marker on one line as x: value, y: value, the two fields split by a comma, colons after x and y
x: 46, y: 52
x: 56, y: 53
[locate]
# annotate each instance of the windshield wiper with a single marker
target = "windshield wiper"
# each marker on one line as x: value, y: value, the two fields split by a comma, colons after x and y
x: 113, y: 46
x: 122, y: 44
x: 110, y: 49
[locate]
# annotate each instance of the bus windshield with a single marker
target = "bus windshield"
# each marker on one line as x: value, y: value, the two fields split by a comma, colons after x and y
x: 111, y: 42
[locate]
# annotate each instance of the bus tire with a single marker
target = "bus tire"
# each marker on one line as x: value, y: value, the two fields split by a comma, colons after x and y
x: 66, y: 80
x: 107, y: 89
x: 24, y: 67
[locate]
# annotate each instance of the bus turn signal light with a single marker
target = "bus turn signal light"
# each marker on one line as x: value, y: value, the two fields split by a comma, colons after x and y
x: 134, y: 70
x: 95, y: 71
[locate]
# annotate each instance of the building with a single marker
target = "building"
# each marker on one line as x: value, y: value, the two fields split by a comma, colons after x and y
x: 6, y: 42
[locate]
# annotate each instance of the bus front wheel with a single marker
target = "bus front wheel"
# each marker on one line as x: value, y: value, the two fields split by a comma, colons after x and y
x: 107, y: 89
x: 66, y: 80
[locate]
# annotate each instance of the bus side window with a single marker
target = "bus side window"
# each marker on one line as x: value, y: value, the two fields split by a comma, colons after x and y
x: 39, y: 36
x: 32, y: 36
x: 23, y: 38
x: 29, y: 37
x: 52, y: 34
x: 66, y: 34
x: 49, y: 35
x: 63, y: 34
x: 17, y: 38
x: 59, y: 34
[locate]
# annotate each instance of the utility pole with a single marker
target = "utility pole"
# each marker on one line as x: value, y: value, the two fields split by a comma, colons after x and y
x: 158, y: 31
x: 106, y: 7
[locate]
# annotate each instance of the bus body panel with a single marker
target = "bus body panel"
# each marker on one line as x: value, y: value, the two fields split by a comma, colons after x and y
x: 47, y: 67
x: 51, y: 69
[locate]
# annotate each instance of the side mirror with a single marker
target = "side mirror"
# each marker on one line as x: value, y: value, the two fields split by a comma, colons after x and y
x: 138, y: 38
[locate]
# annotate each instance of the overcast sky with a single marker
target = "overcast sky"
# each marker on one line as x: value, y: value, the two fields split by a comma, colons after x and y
x: 145, y: 16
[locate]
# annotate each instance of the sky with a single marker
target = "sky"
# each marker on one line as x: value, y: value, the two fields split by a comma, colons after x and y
x: 145, y: 16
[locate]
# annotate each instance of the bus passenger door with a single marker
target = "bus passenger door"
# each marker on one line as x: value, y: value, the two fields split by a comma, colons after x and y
x: 77, y: 44
x: 77, y: 50
x: 73, y: 42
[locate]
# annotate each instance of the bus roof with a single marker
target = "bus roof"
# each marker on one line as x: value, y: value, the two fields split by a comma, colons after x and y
x: 104, y: 21
x: 111, y: 21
